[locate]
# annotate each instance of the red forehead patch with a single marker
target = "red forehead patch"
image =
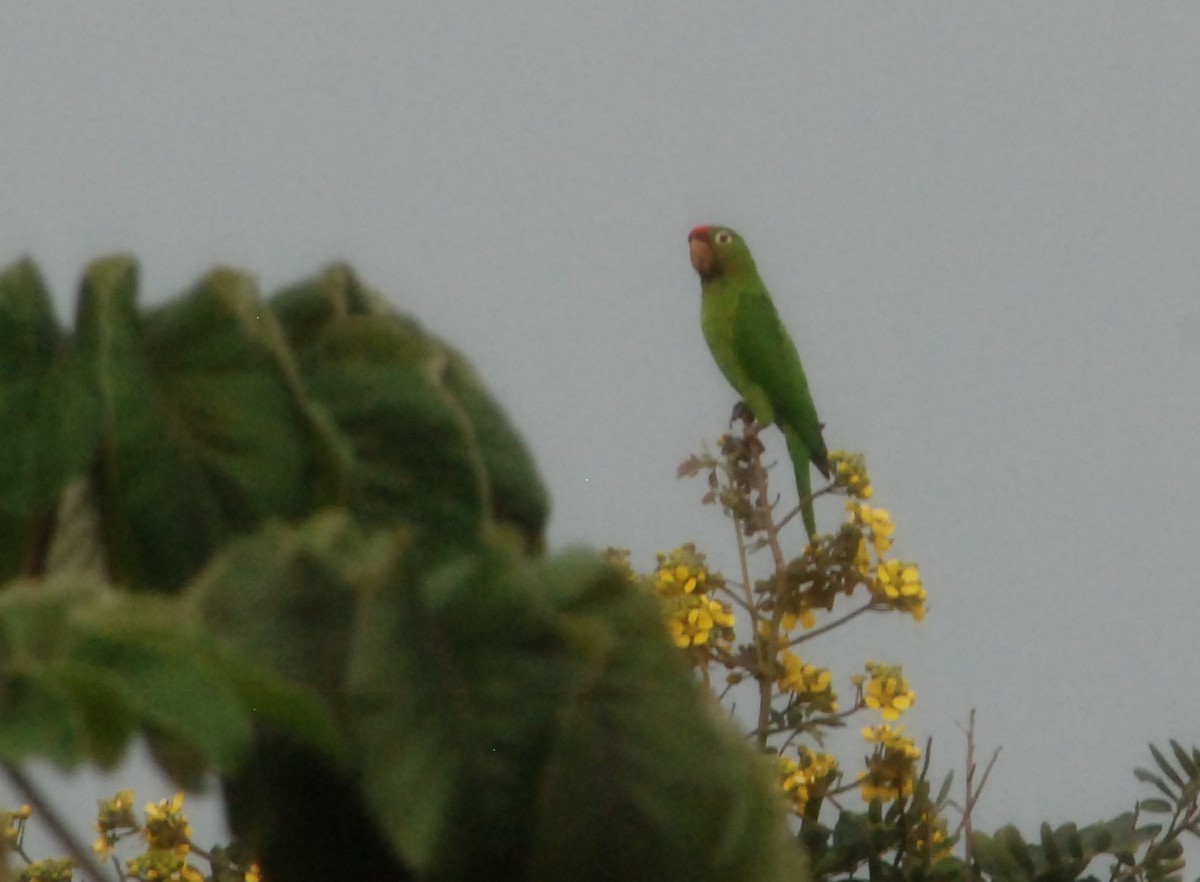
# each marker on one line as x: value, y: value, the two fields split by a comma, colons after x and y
x: 700, y: 232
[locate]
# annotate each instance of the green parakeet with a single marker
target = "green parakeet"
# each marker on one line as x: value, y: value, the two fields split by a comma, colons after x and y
x: 755, y: 353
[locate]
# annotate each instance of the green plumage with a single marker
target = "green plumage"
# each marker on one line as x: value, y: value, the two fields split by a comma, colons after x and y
x: 755, y: 353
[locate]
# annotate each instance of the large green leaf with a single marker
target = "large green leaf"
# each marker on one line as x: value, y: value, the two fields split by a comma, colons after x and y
x: 205, y: 432
x: 523, y: 717
x: 171, y: 686
x: 38, y: 719
x: 84, y: 668
x: 52, y: 705
x: 428, y: 443
x: 48, y: 420
x: 105, y: 708
x: 515, y: 491
x: 286, y: 598
x: 533, y: 716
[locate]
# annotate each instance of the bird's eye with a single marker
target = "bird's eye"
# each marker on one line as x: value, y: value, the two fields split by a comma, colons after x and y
x: 724, y: 237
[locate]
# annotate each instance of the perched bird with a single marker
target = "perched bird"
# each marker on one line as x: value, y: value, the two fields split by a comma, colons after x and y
x: 755, y: 353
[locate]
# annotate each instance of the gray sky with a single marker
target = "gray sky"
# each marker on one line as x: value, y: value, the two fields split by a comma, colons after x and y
x: 979, y: 221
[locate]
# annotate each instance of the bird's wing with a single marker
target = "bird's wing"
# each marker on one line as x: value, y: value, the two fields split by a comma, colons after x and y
x: 770, y: 360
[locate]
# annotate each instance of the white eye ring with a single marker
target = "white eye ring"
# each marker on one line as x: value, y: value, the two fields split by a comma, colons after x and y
x: 724, y: 237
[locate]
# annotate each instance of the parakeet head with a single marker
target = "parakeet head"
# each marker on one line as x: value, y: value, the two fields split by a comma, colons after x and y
x: 718, y: 251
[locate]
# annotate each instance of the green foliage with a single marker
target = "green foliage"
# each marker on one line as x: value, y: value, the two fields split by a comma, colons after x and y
x: 423, y: 439
x: 904, y: 834
x: 83, y: 666
x: 505, y: 710
x: 295, y: 541
x: 1062, y: 854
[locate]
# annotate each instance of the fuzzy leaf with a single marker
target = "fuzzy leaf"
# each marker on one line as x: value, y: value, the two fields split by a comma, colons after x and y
x: 39, y: 720
x: 204, y: 432
x: 47, y: 413
x: 284, y: 598
x: 426, y: 440
x: 105, y: 709
x: 535, y: 717
x: 174, y: 692
x: 48, y: 417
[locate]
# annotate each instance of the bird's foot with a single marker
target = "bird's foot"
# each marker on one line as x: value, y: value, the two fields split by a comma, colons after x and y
x: 742, y: 411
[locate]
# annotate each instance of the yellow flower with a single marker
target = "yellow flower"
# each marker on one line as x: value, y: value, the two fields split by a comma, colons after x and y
x: 163, y: 865
x: 887, y: 691
x: 806, y: 778
x: 116, y: 813
x: 694, y: 619
x: 809, y: 682
x: 898, y: 584
x: 850, y: 474
x: 805, y: 617
x: 720, y: 614
x: 875, y: 522
x: 166, y: 827
x: 862, y: 560
x: 891, y: 767
x: 682, y: 583
x: 680, y: 572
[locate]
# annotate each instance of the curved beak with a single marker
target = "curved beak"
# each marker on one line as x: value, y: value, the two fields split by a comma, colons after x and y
x: 702, y: 255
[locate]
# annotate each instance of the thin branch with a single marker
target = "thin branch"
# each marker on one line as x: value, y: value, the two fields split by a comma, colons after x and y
x: 964, y: 824
x: 972, y: 793
x: 829, y: 626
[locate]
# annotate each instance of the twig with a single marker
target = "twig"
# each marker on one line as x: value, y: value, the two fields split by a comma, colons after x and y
x: 965, y: 824
x: 972, y: 793
x: 829, y: 626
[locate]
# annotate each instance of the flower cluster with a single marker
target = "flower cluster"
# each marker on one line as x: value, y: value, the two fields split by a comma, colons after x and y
x: 898, y: 583
x: 895, y: 583
x: 809, y: 683
x: 167, y: 833
x: 805, y: 616
x: 167, y: 827
x: 887, y: 691
x: 806, y: 778
x: 115, y: 820
x: 48, y: 870
x: 891, y: 768
x: 850, y: 474
x: 163, y: 865
x: 802, y: 700
x: 683, y: 586
x: 877, y: 528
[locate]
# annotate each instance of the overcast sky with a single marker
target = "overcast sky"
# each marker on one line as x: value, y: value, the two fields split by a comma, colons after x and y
x: 979, y: 222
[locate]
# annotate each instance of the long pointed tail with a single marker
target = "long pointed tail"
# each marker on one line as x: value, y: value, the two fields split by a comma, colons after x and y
x: 800, y: 460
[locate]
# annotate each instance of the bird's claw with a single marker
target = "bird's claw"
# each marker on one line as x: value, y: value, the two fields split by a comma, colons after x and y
x: 742, y: 411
